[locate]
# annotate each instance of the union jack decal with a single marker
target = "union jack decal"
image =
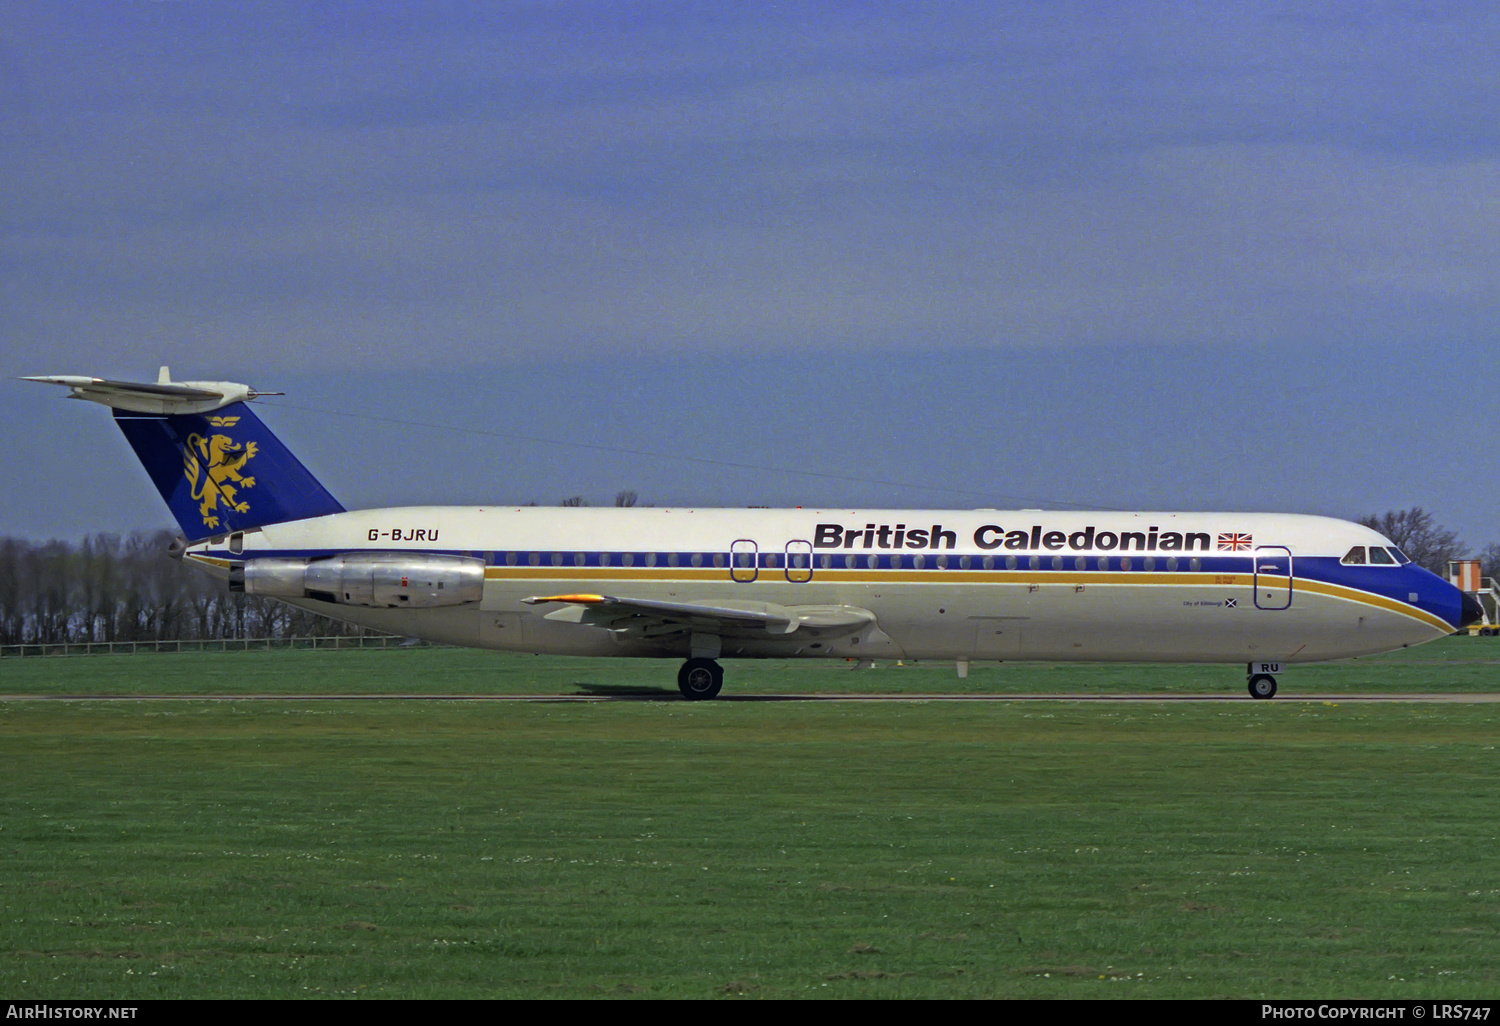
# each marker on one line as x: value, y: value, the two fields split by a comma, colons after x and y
x: 1233, y: 542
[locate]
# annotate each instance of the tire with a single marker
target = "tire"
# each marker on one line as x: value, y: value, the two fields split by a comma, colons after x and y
x: 1262, y: 685
x: 700, y: 679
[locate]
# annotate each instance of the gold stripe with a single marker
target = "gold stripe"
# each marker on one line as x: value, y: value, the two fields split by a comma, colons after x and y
x: 1378, y: 601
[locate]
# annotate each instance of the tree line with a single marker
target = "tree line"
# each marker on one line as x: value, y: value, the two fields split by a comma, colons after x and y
x: 112, y: 587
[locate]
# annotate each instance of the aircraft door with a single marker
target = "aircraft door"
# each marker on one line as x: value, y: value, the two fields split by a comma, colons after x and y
x: 744, y: 561
x: 799, y: 561
x: 1273, y: 577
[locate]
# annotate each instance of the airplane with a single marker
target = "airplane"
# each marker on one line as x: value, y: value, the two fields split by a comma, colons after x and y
x: 700, y: 585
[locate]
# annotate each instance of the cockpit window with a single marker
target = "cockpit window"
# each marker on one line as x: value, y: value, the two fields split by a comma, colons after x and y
x: 1354, y: 557
x: 1379, y: 555
x: 1401, y: 557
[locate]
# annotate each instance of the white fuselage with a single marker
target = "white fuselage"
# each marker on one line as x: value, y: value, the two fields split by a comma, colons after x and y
x: 972, y: 584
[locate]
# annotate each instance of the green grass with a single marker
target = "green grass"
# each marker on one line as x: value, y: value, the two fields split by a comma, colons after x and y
x: 673, y: 849
x: 1467, y: 665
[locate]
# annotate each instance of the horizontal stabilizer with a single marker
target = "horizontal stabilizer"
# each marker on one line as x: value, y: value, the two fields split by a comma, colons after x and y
x: 163, y: 396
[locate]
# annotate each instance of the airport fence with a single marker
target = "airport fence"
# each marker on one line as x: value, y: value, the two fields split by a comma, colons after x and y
x: 82, y: 648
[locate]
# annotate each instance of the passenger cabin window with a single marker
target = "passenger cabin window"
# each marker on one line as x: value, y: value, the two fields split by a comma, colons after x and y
x: 1354, y: 557
x: 1379, y: 555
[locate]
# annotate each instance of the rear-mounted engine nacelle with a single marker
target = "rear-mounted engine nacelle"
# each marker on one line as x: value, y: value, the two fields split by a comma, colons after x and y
x: 384, y: 580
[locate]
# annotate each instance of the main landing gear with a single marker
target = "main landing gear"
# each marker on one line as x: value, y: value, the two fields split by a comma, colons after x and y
x: 702, y: 678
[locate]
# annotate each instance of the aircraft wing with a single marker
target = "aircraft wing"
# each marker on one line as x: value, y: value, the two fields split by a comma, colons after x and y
x: 639, y: 617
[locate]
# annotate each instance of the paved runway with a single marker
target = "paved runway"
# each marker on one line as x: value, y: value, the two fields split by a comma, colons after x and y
x: 673, y: 696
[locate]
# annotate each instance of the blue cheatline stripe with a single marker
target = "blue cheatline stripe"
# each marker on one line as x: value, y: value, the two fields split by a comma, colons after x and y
x: 719, y: 560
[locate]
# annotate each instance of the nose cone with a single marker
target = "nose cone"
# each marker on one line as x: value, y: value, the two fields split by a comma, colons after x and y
x: 1469, y: 610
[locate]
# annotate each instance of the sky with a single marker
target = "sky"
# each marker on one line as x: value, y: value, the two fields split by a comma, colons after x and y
x: 952, y: 254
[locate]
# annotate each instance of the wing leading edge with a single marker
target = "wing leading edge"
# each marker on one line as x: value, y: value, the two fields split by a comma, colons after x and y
x: 650, y: 618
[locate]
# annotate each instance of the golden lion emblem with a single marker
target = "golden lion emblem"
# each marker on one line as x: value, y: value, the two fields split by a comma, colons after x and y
x: 213, y: 466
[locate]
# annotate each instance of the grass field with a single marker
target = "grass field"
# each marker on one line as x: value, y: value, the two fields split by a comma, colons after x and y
x: 764, y: 849
x: 1467, y: 665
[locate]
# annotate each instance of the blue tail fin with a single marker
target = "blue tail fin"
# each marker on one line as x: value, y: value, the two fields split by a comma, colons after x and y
x: 223, y: 470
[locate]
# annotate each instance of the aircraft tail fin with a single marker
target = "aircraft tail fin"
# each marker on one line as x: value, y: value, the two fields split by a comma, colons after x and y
x: 219, y: 468
x: 223, y: 471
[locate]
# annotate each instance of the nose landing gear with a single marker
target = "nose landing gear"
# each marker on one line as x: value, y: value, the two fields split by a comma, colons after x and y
x: 1259, y: 679
x: 1262, y: 685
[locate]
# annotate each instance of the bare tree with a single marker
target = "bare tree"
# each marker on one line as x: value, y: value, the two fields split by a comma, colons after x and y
x: 12, y: 620
x: 625, y: 497
x: 49, y: 578
x: 574, y: 500
x: 1416, y: 533
x: 1489, y: 560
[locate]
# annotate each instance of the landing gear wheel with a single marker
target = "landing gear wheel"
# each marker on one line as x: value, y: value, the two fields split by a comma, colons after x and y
x: 1262, y: 685
x: 700, y: 679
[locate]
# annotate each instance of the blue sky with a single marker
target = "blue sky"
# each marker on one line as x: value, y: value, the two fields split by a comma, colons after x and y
x: 1181, y: 256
